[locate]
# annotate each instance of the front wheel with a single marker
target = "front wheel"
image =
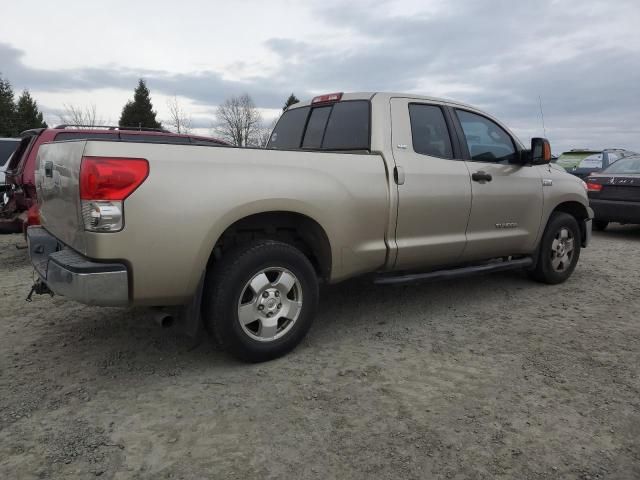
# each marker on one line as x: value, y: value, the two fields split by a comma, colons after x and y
x: 559, y: 249
x: 260, y: 300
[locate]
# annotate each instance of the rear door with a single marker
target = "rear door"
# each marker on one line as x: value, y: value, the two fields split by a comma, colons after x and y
x: 434, y: 192
x: 506, y: 207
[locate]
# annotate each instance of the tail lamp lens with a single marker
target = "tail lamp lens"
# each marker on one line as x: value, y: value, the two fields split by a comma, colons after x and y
x: 105, y: 183
x: 106, y: 178
x: 594, y: 187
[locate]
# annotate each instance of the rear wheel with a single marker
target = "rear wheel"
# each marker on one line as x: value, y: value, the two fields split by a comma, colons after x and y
x: 559, y: 249
x: 260, y: 300
x: 600, y: 225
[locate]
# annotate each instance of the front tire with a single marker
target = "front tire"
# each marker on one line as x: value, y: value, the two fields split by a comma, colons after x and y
x: 260, y: 300
x: 559, y: 249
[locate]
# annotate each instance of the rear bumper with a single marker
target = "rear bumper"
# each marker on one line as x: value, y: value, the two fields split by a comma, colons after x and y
x: 616, y: 211
x: 72, y: 275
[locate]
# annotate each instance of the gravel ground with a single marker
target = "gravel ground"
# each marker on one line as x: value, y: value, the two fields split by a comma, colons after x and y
x: 490, y: 377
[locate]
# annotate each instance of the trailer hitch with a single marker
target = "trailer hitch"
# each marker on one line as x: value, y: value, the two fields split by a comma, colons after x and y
x: 39, y: 288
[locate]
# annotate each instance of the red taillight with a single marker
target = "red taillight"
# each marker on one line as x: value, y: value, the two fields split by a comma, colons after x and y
x: 593, y: 187
x: 329, y: 97
x: 108, y: 178
x: 33, y: 215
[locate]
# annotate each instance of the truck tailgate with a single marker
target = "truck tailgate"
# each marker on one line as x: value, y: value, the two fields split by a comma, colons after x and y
x: 57, y: 181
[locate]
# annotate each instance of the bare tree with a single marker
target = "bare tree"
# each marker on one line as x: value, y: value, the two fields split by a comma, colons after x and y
x: 238, y: 121
x: 84, y: 116
x: 264, y: 133
x: 179, y: 120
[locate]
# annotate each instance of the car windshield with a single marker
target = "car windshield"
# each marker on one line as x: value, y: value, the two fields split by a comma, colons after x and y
x: 629, y: 165
x: 572, y: 159
x: 592, y: 161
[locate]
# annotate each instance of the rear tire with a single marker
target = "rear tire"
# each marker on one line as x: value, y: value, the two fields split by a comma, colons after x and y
x: 260, y: 300
x: 559, y: 249
x: 600, y: 225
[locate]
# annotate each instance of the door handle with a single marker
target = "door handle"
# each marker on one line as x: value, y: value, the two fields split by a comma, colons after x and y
x: 398, y: 175
x: 48, y: 169
x: 481, y: 176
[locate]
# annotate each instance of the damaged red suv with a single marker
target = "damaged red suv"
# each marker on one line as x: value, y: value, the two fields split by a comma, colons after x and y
x: 18, y: 206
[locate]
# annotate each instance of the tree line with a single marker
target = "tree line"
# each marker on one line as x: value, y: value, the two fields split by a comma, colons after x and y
x: 20, y: 115
x: 238, y: 120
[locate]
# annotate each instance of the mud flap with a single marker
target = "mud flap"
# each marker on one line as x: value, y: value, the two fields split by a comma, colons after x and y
x: 191, y: 315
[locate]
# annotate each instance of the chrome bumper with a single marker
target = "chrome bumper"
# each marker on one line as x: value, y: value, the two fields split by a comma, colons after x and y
x: 72, y: 275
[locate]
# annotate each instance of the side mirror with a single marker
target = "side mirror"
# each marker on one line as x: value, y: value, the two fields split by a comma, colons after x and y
x: 540, y: 151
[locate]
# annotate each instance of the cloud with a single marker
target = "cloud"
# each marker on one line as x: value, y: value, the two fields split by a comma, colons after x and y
x: 581, y: 58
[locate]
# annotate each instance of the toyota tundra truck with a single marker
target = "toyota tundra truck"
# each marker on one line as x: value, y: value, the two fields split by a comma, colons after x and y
x: 404, y: 188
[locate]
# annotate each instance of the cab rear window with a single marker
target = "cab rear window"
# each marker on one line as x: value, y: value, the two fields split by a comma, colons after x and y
x: 341, y: 126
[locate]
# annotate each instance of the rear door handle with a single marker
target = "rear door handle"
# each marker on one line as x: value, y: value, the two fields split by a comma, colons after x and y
x: 481, y: 176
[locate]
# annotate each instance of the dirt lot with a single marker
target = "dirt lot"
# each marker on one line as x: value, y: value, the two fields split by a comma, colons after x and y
x: 491, y: 377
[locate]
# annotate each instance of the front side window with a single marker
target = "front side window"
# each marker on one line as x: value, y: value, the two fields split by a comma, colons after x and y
x: 486, y: 140
x: 429, y: 131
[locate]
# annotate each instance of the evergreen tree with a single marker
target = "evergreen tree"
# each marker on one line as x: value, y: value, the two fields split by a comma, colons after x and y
x: 8, y: 127
x: 139, y: 112
x: 290, y: 101
x: 27, y: 113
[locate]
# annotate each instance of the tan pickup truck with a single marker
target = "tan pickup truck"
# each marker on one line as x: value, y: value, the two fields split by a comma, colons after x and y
x: 403, y: 187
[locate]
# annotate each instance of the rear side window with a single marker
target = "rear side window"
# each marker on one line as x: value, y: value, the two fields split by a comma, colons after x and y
x: 288, y: 132
x: 84, y: 136
x: 429, y: 131
x: 487, y: 141
x: 6, y: 149
x: 204, y: 141
x: 154, y: 138
x: 341, y: 126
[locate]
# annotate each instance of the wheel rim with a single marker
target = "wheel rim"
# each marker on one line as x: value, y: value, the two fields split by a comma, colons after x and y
x: 562, y: 250
x: 270, y: 304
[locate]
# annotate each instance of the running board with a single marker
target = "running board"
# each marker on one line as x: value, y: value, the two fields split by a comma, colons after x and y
x: 398, y: 279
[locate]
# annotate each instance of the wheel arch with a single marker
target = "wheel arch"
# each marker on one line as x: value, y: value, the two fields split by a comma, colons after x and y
x: 577, y: 210
x: 292, y: 227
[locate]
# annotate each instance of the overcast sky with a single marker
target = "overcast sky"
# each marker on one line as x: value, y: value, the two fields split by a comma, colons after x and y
x: 581, y: 58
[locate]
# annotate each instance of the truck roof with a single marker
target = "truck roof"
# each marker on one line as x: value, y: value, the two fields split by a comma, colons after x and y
x: 386, y: 95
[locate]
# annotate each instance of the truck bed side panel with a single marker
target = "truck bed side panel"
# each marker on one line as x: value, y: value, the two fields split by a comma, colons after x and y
x: 193, y: 193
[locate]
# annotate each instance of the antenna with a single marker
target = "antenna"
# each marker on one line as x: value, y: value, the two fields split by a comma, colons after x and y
x: 542, y: 116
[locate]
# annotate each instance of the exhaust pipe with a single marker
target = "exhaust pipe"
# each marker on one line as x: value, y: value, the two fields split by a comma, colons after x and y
x: 164, y: 319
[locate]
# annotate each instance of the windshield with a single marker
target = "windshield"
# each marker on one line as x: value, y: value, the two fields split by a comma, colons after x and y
x: 592, y: 161
x: 629, y: 165
x: 572, y: 159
